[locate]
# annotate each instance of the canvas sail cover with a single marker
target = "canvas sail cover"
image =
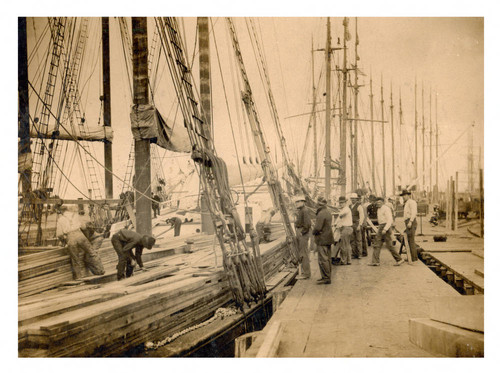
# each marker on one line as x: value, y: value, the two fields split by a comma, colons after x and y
x: 148, y: 123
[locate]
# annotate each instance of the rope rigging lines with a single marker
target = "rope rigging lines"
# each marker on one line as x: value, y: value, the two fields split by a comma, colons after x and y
x: 243, y: 266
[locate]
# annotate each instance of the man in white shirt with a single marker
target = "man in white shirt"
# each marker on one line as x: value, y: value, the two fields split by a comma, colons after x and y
x: 344, y: 223
x: 81, y: 252
x: 410, y: 218
x: 384, y: 217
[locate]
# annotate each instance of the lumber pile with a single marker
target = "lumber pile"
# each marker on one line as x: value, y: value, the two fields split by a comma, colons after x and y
x: 109, y: 319
x: 117, y: 317
x: 51, y: 268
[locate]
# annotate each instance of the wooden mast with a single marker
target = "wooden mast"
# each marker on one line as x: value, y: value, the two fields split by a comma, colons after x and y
x: 423, y: 141
x: 327, y: 113
x: 373, y: 134
x: 343, y: 124
x: 392, y: 146
x: 24, y: 125
x: 431, y: 187
x: 356, y: 114
x: 207, y: 226
x: 416, y: 135
x: 315, y: 141
x: 142, y: 146
x: 384, y: 185
x: 437, y: 151
x: 106, y: 99
x: 401, y: 153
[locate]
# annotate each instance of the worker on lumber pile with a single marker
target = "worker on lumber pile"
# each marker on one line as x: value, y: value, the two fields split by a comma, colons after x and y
x: 81, y: 251
x: 123, y: 242
x: 302, y: 229
x: 384, y: 217
x: 324, y: 239
x: 176, y: 223
x: 263, y: 226
x: 358, y: 218
x: 156, y: 205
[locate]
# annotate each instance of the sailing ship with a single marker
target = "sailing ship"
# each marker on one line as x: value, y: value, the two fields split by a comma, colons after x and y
x: 217, y: 272
x: 180, y: 291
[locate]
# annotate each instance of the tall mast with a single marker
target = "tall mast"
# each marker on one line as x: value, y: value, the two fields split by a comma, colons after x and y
x: 315, y: 143
x: 24, y: 115
x: 401, y: 154
x: 207, y: 225
x: 392, y: 147
x: 106, y: 85
x: 343, y: 125
x: 384, y: 185
x: 356, y: 114
x: 437, y: 151
x: 416, y: 136
x: 327, y: 112
x: 142, y: 146
x: 373, y: 134
x: 431, y: 187
x: 423, y: 140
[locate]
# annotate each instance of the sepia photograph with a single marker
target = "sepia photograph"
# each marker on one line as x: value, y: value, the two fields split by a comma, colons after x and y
x: 246, y: 185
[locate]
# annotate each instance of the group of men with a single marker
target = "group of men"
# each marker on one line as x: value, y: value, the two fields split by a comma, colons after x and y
x: 350, y: 233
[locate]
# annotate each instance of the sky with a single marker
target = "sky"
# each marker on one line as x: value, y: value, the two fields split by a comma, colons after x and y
x: 445, y: 56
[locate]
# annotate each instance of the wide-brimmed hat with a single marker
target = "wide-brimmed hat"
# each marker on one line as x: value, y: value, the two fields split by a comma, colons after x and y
x: 405, y: 192
x: 322, y: 201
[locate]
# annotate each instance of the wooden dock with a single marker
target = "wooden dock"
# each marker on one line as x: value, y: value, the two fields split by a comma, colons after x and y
x: 367, y: 311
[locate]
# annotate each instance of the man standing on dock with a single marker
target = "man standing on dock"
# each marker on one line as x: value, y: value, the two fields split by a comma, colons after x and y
x: 302, y: 229
x: 410, y: 218
x: 324, y: 239
x: 384, y: 218
x: 344, y: 223
x: 358, y: 217
x: 123, y: 242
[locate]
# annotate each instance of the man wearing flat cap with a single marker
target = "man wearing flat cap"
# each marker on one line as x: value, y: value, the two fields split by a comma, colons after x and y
x: 410, y: 218
x: 123, y: 242
x: 323, y: 237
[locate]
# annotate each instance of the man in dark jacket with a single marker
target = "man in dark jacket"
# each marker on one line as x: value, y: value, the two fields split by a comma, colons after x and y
x: 156, y: 205
x: 302, y: 228
x: 324, y: 239
x: 123, y: 242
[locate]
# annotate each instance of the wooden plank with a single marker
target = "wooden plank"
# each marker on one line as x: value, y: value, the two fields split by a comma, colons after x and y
x: 271, y: 342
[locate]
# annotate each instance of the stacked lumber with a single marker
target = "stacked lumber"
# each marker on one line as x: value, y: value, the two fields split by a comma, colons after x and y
x: 109, y: 319
x: 51, y: 268
x: 117, y: 317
